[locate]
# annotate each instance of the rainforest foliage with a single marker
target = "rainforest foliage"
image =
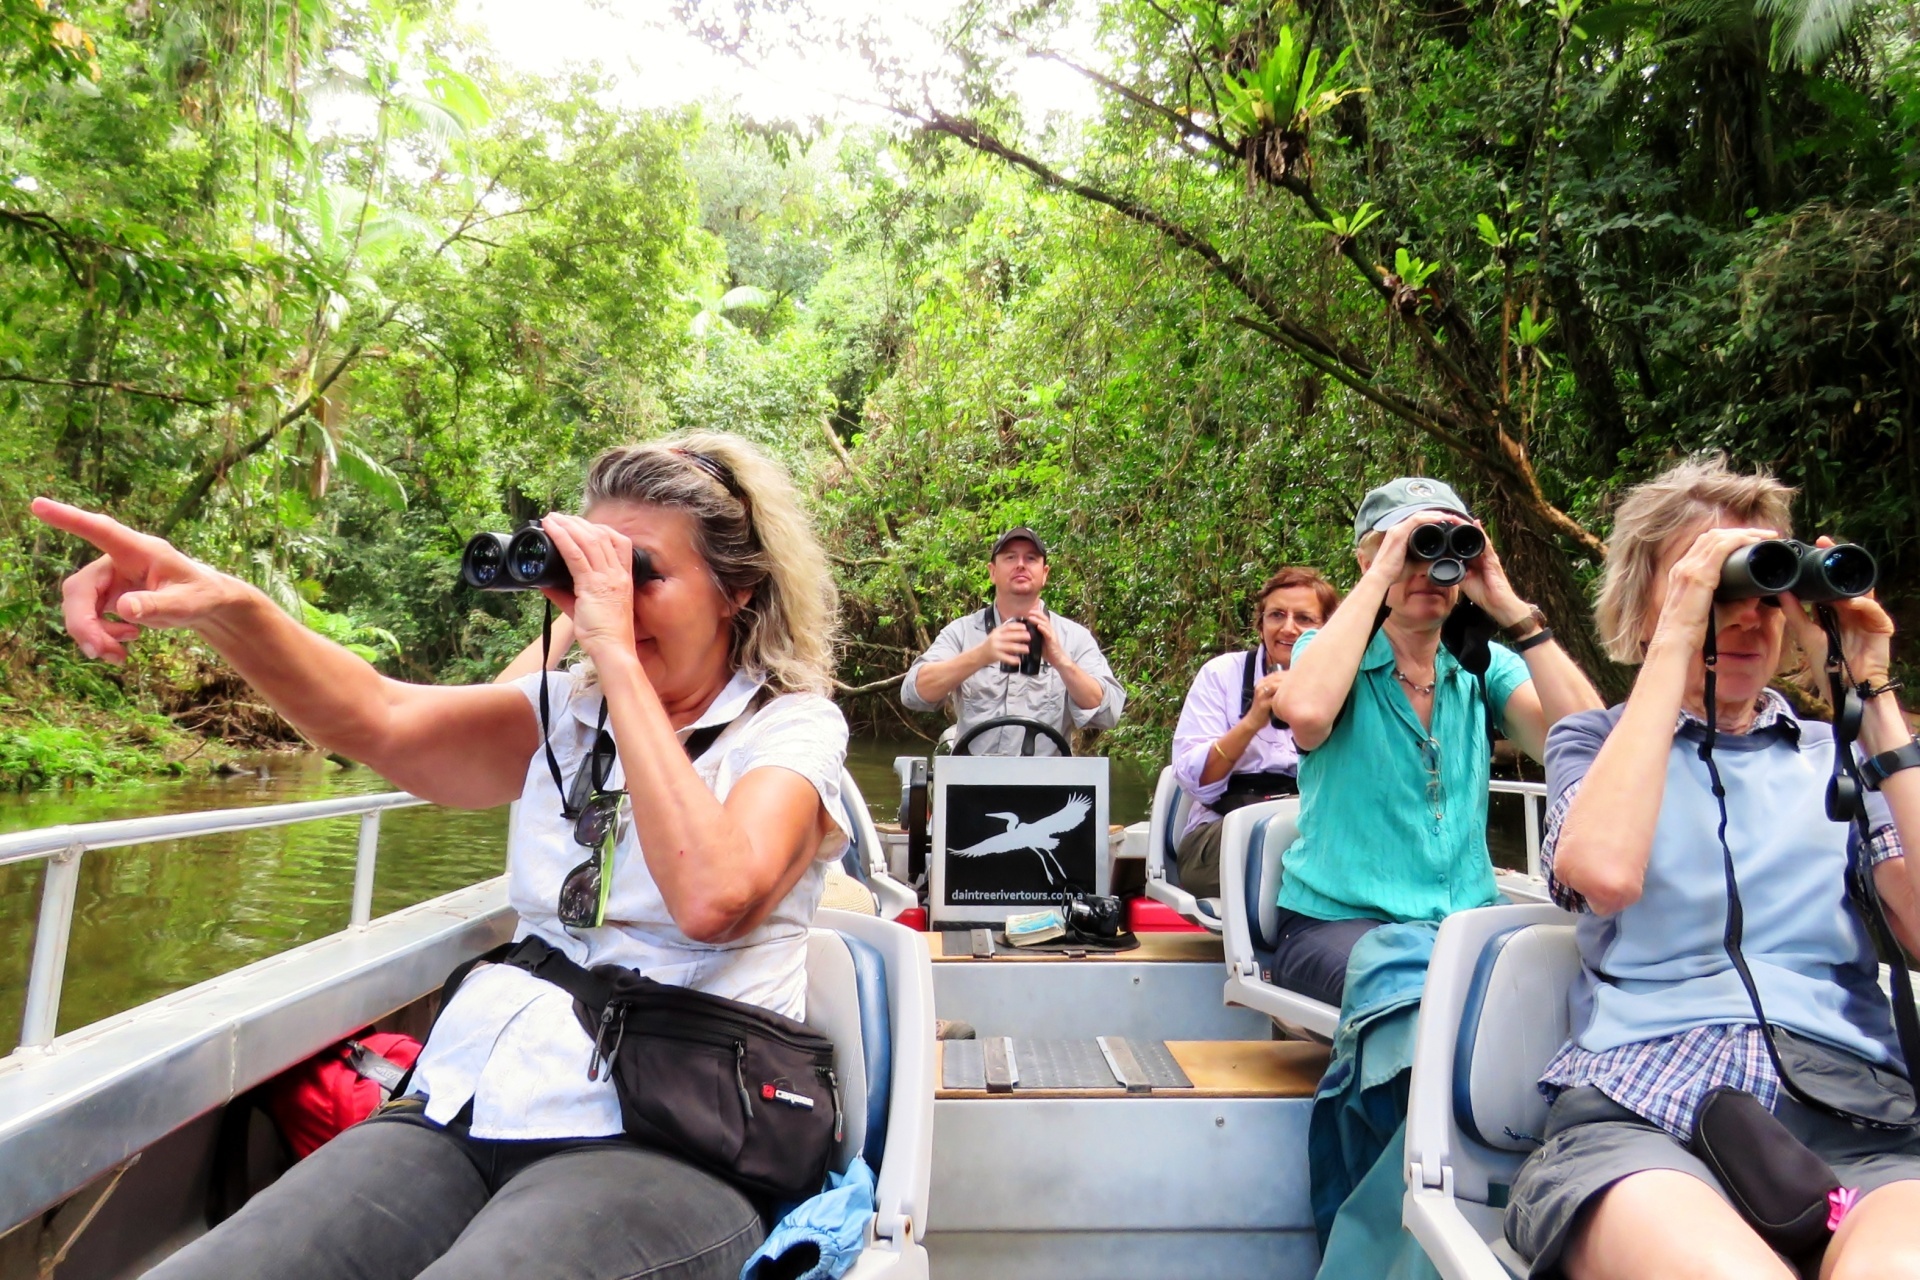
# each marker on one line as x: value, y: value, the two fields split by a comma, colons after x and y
x: 318, y: 288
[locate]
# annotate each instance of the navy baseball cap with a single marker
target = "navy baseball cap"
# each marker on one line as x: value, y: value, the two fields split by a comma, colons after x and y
x: 1014, y: 534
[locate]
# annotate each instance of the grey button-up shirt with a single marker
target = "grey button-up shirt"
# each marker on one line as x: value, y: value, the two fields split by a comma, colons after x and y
x: 991, y: 692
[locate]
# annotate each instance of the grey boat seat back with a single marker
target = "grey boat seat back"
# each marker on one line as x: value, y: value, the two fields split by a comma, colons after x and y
x: 1171, y: 805
x: 1494, y: 1013
x: 865, y: 859
x: 1253, y: 841
x: 847, y: 1002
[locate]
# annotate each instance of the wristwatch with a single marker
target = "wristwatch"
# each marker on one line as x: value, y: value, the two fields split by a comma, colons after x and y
x: 1536, y: 620
x: 1877, y: 769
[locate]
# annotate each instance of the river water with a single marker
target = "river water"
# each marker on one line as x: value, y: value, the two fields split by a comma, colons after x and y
x: 154, y: 918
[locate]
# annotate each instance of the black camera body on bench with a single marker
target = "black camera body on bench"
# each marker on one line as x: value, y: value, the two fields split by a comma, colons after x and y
x: 525, y: 560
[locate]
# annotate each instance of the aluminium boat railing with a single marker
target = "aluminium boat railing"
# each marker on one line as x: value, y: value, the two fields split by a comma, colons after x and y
x: 1534, y: 799
x: 62, y: 847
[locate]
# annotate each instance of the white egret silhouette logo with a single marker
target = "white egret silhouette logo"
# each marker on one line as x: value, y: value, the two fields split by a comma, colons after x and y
x: 1039, y: 837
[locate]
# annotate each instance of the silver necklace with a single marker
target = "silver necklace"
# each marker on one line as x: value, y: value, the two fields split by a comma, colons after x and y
x: 1413, y: 686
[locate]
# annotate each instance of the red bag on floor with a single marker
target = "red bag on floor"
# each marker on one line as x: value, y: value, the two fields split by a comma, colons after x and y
x: 341, y: 1085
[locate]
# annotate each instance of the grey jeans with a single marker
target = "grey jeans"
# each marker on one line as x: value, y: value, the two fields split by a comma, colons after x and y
x: 397, y: 1197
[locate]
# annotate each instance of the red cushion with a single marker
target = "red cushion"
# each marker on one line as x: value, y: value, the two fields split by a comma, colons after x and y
x: 1144, y: 915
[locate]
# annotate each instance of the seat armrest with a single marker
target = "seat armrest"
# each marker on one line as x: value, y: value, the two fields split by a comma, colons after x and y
x: 1289, y: 1008
x: 1451, y: 1244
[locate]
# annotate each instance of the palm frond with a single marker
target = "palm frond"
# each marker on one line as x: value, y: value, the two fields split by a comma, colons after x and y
x: 1806, y: 32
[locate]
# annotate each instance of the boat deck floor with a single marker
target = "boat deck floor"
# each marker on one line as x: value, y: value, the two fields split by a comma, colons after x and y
x: 1217, y: 1068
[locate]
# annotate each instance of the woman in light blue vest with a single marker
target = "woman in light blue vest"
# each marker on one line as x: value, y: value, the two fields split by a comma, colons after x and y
x: 1660, y: 1015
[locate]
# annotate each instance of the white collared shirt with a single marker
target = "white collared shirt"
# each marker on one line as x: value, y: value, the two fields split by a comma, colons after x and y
x: 1212, y: 709
x: 510, y: 1042
x: 991, y: 692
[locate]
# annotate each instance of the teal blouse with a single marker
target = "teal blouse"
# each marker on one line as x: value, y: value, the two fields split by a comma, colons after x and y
x: 1393, y: 820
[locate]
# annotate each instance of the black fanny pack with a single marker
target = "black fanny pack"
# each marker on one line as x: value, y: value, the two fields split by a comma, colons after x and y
x: 1244, y: 789
x: 737, y: 1089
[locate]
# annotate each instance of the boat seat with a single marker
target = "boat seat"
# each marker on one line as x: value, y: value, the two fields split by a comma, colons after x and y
x: 870, y: 990
x: 1253, y: 840
x: 1494, y: 1012
x: 847, y: 1002
x: 865, y: 859
x: 1171, y: 804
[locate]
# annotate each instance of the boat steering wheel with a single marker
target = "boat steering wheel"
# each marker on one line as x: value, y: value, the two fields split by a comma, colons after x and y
x: 964, y: 747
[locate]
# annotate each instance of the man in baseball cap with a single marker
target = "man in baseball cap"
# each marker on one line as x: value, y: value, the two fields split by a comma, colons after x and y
x: 985, y: 665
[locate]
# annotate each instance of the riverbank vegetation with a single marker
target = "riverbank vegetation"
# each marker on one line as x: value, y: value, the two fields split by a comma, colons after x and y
x: 318, y: 288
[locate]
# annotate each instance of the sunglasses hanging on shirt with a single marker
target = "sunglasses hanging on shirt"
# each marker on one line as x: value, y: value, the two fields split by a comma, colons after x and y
x: 590, y: 806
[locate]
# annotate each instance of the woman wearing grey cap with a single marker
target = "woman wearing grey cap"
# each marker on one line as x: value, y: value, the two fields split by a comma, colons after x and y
x: 1393, y: 733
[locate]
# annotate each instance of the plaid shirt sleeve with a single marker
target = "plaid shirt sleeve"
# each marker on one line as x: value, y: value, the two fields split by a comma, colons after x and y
x: 1565, y: 898
x: 1882, y: 845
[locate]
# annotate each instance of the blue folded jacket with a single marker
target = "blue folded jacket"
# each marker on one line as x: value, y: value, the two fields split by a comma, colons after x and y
x: 821, y: 1238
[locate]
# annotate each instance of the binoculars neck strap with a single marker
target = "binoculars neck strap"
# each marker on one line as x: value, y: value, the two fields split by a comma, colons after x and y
x: 1846, y: 802
x: 546, y: 715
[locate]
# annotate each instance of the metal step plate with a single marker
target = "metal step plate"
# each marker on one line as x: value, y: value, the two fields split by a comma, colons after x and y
x: 1061, y: 1066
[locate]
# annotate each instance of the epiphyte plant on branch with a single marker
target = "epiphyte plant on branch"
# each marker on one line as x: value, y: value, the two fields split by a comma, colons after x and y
x: 1346, y: 227
x: 1270, y: 107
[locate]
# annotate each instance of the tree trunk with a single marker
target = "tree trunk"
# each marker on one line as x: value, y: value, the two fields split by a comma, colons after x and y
x: 1541, y: 570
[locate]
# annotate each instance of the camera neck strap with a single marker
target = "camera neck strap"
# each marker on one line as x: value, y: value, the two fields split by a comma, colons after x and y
x: 1860, y: 889
x: 1247, y: 682
x: 696, y: 743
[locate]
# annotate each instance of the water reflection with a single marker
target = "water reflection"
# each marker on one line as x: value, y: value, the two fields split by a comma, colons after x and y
x: 154, y: 918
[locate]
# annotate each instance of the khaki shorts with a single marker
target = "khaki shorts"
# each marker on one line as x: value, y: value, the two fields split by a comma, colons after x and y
x: 1199, y: 855
x: 1593, y: 1142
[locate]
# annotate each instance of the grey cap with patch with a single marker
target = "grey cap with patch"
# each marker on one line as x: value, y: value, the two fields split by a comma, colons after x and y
x: 1395, y: 500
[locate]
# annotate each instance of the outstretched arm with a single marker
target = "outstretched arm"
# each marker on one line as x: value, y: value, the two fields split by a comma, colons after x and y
x: 463, y: 746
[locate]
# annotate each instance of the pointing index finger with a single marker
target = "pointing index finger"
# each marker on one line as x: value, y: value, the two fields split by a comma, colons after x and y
x: 103, y: 531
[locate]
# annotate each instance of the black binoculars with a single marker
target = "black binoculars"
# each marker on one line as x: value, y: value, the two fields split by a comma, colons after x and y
x: 1029, y: 664
x: 526, y: 559
x: 1814, y: 575
x: 1448, y: 547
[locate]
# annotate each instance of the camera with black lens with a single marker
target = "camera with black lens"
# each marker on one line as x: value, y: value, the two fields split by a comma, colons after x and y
x: 1446, y: 547
x: 526, y: 560
x: 1092, y: 915
x: 1815, y: 575
x: 1029, y: 664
